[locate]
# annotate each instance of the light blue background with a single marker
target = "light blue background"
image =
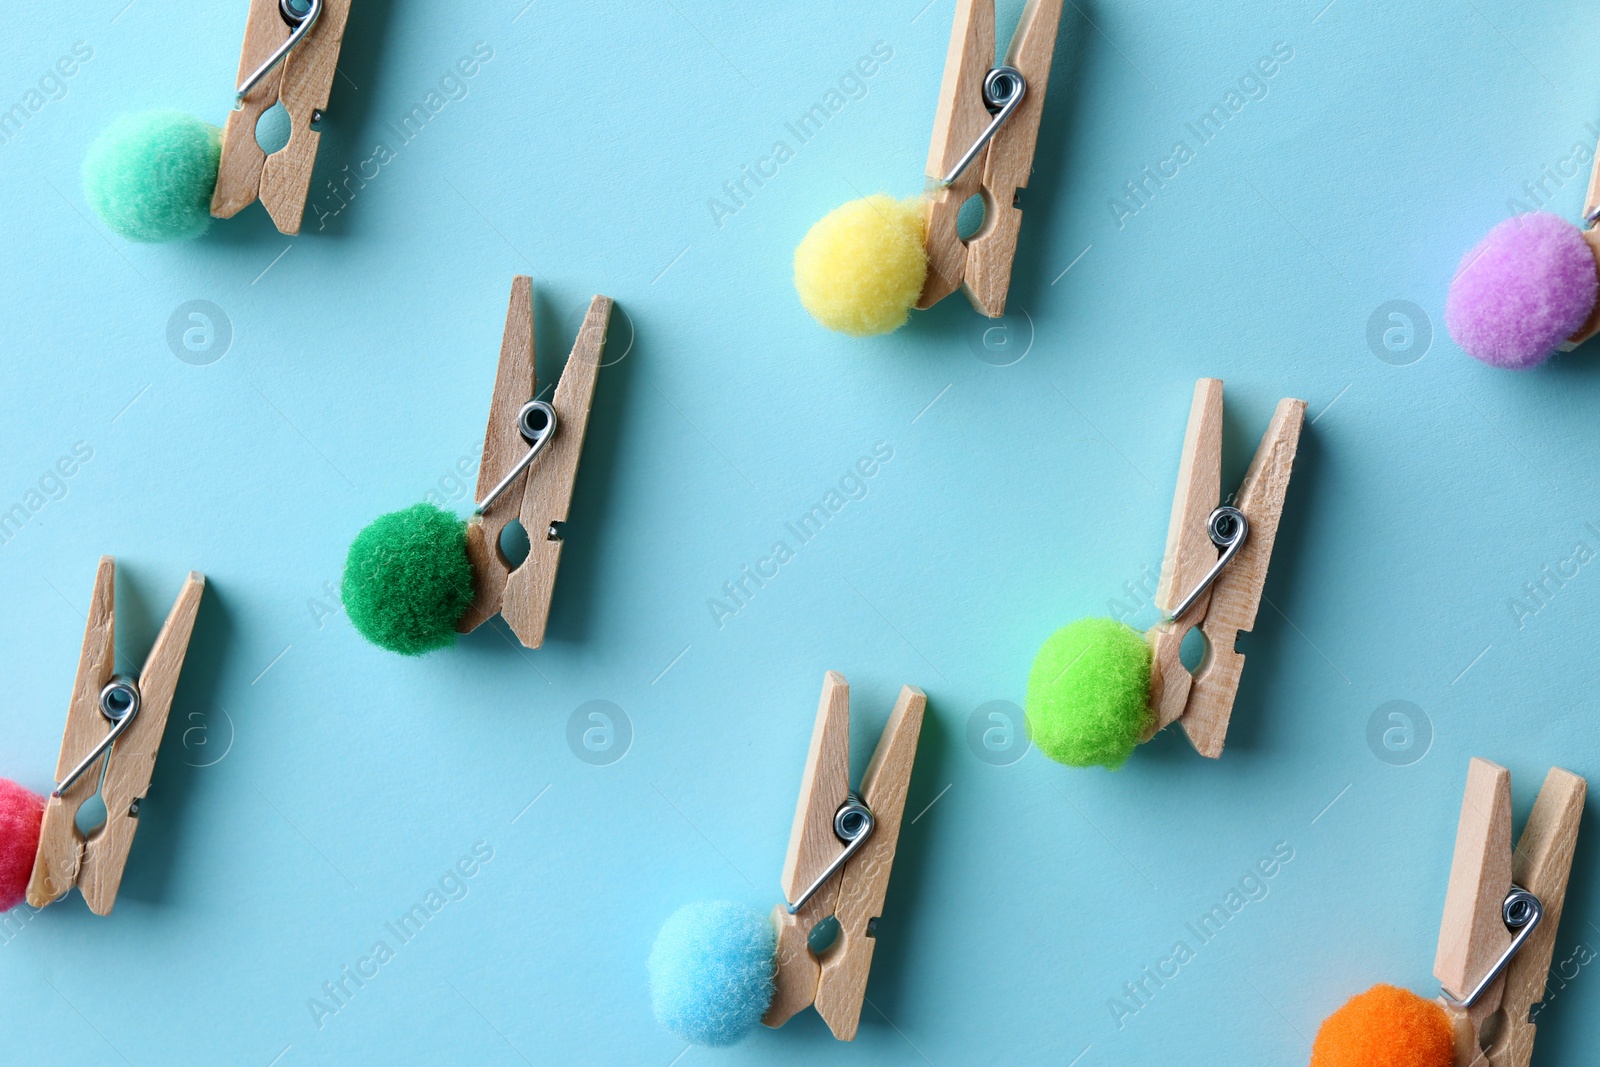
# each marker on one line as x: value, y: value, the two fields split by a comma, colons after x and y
x: 312, y: 789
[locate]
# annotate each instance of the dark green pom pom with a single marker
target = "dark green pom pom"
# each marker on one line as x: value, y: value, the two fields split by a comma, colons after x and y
x: 407, y: 580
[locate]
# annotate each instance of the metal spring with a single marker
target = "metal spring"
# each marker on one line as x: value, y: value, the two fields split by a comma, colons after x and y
x: 1521, y: 913
x: 853, y: 823
x: 119, y: 703
x: 1003, y: 90
x: 300, y: 24
x: 537, y: 421
x: 1228, y: 529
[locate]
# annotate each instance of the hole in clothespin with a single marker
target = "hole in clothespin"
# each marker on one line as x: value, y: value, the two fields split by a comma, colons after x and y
x: 557, y: 531
x: 823, y: 936
x: 273, y: 128
x: 1490, y: 1030
x: 1195, y: 650
x: 514, y: 545
x: 91, y: 815
x: 294, y: 11
x: 969, y: 220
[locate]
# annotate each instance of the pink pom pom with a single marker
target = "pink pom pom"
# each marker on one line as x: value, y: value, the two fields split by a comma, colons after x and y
x: 1527, y: 287
x: 21, y: 812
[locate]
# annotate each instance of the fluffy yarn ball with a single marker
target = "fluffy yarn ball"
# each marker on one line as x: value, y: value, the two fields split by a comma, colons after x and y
x: 1527, y: 287
x: 21, y: 812
x: 711, y: 971
x: 407, y: 580
x: 1089, y: 693
x: 150, y: 176
x: 1385, y: 1027
x: 860, y: 269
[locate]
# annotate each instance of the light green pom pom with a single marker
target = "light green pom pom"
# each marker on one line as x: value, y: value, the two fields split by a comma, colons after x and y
x: 150, y: 176
x: 407, y: 580
x: 1089, y: 693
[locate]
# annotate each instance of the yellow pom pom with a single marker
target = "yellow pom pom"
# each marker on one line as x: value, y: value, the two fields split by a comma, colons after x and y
x: 860, y: 269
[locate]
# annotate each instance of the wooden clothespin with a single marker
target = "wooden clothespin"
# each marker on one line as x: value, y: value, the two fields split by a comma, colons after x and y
x: 1591, y: 234
x: 840, y: 854
x: 1502, y: 910
x: 290, y: 50
x: 128, y: 716
x: 1203, y: 701
x: 993, y: 116
x: 512, y: 486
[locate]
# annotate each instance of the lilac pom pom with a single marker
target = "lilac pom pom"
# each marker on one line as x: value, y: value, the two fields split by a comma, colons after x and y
x: 1523, y: 290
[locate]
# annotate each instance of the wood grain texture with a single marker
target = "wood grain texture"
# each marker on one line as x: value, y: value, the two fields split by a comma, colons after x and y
x: 824, y: 785
x: 239, y: 175
x: 1472, y: 934
x: 1190, y: 552
x: 307, y: 80
x: 60, y: 853
x: 843, y: 984
x: 1009, y: 161
x: 64, y: 859
x: 960, y: 118
x: 133, y: 757
x: 526, y: 602
x: 1236, y: 594
x: 1542, y: 865
x: 503, y: 446
x: 302, y: 82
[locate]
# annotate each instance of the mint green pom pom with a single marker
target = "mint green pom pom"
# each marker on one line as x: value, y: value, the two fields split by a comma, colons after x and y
x: 150, y: 176
x: 1089, y: 694
x: 407, y: 580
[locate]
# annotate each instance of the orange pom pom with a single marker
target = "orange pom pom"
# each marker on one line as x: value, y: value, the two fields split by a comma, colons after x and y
x: 1386, y: 1027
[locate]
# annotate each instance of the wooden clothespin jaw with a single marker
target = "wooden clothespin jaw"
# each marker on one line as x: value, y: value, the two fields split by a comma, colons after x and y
x: 1501, y: 912
x: 970, y: 102
x: 1203, y: 701
x: 829, y: 826
x: 125, y: 716
x: 305, y: 36
x: 536, y: 493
